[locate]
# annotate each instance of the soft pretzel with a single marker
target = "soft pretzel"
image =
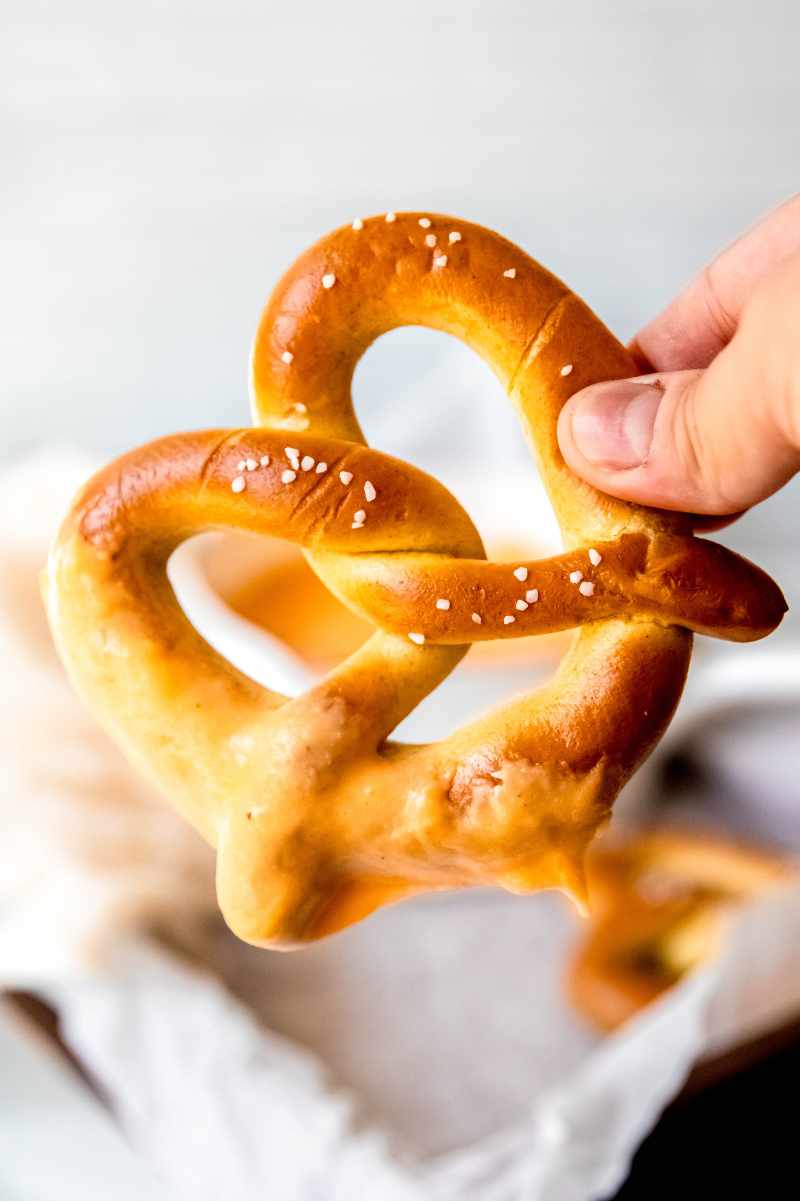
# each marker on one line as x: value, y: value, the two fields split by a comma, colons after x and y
x: 659, y: 904
x: 317, y: 818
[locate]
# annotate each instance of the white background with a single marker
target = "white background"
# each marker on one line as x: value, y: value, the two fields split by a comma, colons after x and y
x: 162, y: 163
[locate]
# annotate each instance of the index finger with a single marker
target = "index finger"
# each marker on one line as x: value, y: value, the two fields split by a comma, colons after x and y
x: 702, y: 319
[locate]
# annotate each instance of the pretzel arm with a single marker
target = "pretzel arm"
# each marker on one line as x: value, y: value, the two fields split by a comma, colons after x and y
x: 143, y: 661
x: 127, y: 644
x: 671, y: 580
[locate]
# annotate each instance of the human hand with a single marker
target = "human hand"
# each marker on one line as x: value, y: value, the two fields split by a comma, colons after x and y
x: 716, y: 426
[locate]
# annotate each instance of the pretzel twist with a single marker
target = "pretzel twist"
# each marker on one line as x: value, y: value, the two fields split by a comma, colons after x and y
x: 316, y: 817
x: 660, y: 902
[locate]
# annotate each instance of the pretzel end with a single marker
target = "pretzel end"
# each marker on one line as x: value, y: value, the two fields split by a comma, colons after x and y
x: 575, y: 884
x: 711, y: 589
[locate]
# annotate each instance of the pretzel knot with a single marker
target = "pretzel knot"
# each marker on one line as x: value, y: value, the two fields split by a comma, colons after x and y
x: 316, y: 816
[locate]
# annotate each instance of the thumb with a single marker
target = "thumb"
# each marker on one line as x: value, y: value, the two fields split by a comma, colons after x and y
x: 713, y: 441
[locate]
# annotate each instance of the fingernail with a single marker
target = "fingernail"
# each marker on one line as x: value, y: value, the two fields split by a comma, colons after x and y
x: 612, y: 424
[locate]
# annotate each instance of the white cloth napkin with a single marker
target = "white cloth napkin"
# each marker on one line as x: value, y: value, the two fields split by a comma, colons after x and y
x: 225, y: 1108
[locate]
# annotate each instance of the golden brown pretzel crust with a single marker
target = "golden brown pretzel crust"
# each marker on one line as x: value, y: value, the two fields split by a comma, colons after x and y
x: 659, y: 901
x: 316, y: 817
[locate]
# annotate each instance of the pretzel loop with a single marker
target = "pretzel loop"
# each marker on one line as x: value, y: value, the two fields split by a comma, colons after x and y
x: 316, y: 817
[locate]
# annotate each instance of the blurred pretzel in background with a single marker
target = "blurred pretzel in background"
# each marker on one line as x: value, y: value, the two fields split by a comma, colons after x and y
x: 660, y: 902
x: 317, y: 817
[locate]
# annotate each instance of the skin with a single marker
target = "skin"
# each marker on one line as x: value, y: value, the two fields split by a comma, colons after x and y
x: 713, y: 426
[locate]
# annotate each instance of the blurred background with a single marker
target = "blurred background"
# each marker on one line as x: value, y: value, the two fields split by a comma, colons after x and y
x: 164, y: 162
